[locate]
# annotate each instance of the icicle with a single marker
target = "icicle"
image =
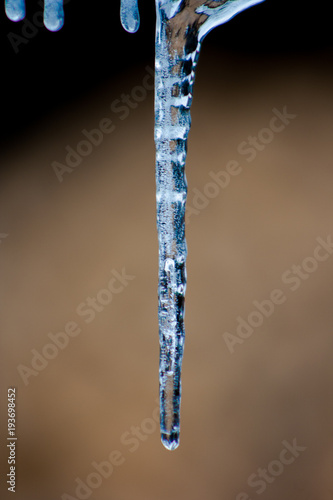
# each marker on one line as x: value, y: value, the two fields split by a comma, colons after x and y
x: 53, y: 14
x: 173, y: 85
x: 129, y: 15
x: 15, y: 9
x: 180, y: 29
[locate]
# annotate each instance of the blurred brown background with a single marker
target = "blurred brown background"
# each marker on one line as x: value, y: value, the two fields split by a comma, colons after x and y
x: 65, y: 238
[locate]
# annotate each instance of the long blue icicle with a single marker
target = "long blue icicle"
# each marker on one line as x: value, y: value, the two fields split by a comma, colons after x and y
x: 180, y: 29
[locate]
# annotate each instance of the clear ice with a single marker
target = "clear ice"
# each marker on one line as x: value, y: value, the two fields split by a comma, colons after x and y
x: 180, y: 28
x: 53, y: 14
x: 181, y: 25
x: 129, y: 15
x: 15, y: 9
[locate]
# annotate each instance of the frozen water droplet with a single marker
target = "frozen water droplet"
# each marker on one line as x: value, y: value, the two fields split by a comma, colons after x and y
x: 53, y: 14
x: 129, y: 15
x: 170, y: 411
x: 15, y: 9
x: 170, y: 441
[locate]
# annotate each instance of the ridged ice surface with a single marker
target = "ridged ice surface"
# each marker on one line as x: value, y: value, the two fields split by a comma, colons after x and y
x: 180, y: 29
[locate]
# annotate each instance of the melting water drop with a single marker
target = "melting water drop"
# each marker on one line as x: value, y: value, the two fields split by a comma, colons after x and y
x: 129, y: 15
x: 15, y: 9
x: 53, y: 12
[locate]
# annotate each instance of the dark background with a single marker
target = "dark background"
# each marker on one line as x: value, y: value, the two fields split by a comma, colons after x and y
x: 53, y: 69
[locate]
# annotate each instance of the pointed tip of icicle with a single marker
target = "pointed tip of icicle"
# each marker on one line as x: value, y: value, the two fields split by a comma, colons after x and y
x: 170, y: 441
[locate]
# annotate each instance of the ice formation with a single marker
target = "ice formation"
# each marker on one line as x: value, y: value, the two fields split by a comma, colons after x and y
x: 181, y: 26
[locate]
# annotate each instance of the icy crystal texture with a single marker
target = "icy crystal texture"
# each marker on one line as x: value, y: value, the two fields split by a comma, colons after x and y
x: 129, y: 15
x: 181, y: 26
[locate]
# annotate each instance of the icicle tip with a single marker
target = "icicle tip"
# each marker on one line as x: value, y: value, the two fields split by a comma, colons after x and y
x: 170, y: 441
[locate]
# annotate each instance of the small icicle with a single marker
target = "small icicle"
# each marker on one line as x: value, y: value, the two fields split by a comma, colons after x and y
x: 53, y: 14
x: 129, y: 15
x: 15, y: 9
